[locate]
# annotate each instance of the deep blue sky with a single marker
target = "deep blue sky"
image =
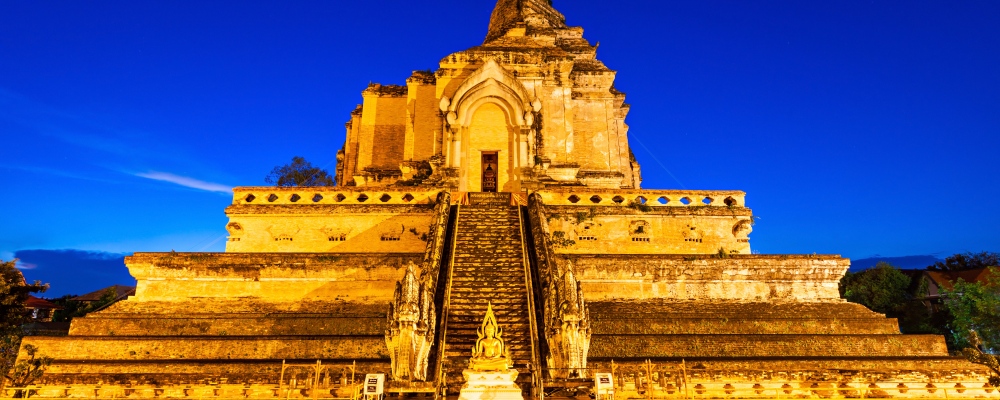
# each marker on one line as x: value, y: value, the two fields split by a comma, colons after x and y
x: 856, y: 127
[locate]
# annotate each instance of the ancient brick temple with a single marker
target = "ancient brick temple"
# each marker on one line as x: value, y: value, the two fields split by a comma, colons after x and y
x: 505, y: 176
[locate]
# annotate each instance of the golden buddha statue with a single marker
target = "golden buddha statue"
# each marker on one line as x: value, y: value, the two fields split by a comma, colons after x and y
x: 490, y: 353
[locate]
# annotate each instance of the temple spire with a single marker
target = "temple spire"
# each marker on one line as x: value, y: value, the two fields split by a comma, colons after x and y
x: 528, y: 14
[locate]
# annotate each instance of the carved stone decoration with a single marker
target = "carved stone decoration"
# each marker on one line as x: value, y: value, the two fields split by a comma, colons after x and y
x: 566, y: 318
x: 411, y: 328
x: 742, y: 229
x: 235, y: 229
x: 567, y: 325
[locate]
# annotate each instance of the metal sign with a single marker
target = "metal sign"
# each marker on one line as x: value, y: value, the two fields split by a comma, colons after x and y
x: 374, y: 384
x: 605, y: 383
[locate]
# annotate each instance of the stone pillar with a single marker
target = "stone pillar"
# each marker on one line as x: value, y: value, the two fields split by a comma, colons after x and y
x: 456, y: 148
x: 523, y: 139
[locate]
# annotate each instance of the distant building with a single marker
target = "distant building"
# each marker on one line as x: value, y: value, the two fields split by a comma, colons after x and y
x: 40, y: 310
x: 940, y: 281
x: 40, y: 313
x: 121, y: 292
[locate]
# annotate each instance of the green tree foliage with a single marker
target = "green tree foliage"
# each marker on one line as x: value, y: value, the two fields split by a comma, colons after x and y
x: 885, y: 289
x: 9, y: 345
x: 27, y: 370
x: 976, y: 355
x: 14, y: 293
x: 72, y: 308
x: 966, y: 261
x: 881, y: 288
x: 299, y: 173
x: 975, y: 306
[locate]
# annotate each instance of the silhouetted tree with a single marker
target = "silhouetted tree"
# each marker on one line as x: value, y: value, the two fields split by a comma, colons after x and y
x: 976, y: 355
x: 299, y: 173
x: 966, y: 261
x: 26, y: 371
x: 14, y: 291
x: 881, y: 288
x: 885, y: 289
x: 73, y: 308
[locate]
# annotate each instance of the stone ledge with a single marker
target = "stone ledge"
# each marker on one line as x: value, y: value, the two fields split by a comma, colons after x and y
x: 285, y: 266
x: 159, y: 325
x: 329, y: 209
x: 621, y: 210
x: 764, y: 346
x: 195, y: 348
x: 748, y: 326
x: 750, y: 278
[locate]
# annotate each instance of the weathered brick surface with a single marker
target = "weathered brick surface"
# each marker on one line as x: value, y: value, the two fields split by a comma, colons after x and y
x: 211, y: 347
x: 622, y: 346
x: 750, y: 278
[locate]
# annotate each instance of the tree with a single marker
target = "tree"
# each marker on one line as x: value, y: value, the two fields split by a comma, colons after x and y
x: 975, y: 306
x: 26, y: 371
x: 966, y: 261
x: 885, y: 289
x: 14, y: 291
x: 976, y: 355
x: 299, y: 173
x: 881, y: 288
x: 72, y: 308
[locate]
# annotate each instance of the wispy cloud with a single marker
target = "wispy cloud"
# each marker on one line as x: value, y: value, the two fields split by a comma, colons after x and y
x: 186, y: 182
x: 24, y: 265
x: 55, y: 172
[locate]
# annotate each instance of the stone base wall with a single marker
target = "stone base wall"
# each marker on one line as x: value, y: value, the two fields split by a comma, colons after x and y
x: 941, y: 377
x: 232, y: 325
x: 217, y: 379
x: 99, y: 348
x: 233, y: 317
x: 340, y: 220
x: 268, y: 277
x: 635, y: 222
x: 749, y: 278
x: 764, y: 346
x: 678, y: 317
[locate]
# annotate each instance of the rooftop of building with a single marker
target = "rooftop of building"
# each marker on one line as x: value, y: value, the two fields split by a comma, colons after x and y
x: 120, y: 291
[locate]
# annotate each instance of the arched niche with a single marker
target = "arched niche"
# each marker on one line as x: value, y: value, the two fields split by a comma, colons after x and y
x: 490, y: 80
x: 491, y: 111
x: 489, y: 132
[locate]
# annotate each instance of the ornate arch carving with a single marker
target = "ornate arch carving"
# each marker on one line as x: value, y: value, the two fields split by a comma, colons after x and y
x: 491, y: 83
x: 468, y: 108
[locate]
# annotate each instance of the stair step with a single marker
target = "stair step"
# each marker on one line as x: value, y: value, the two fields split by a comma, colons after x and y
x: 487, y: 268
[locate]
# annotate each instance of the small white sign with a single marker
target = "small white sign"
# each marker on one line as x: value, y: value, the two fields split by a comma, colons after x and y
x: 605, y: 383
x: 374, y: 383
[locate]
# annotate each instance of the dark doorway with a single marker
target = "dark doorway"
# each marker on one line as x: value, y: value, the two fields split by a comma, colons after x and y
x: 490, y: 172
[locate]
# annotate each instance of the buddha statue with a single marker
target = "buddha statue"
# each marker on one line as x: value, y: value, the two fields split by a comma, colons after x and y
x: 490, y: 353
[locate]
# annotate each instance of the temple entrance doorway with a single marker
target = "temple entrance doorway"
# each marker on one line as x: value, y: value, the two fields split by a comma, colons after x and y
x: 489, y: 171
x: 488, y: 144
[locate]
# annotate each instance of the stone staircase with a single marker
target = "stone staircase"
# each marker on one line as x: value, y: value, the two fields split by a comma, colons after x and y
x: 488, y: 267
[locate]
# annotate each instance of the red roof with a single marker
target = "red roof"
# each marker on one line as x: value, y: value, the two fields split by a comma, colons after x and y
x: 947, y: 279
x: 36, y: 303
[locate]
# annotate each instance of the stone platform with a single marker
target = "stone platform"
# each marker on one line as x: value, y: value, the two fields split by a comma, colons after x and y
x: 490, y: 385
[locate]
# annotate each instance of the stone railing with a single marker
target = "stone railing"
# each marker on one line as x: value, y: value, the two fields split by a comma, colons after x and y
x: 652, y: 198
x: 565, y: 316
x: 270, y: 195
